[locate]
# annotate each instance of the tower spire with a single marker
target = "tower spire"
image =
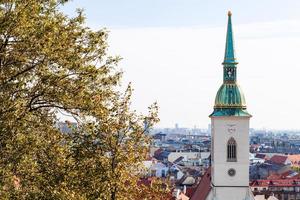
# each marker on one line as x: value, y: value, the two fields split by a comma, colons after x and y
x: 229, y: 48
x: 229, y: 62
x: 230, y: 100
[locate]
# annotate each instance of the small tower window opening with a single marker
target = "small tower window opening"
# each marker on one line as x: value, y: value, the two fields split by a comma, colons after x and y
x: 231, y: 150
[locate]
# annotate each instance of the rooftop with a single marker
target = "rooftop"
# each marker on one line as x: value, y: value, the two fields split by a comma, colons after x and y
x: 276, y: 183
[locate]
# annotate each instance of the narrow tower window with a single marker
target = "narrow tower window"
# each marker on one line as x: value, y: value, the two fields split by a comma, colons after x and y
x: 231, y: 150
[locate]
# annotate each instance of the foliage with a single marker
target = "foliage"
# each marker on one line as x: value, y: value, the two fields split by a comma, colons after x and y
x: 296, y: 168
x: 158, y: 190
x: 49, y: 64
x: 107, y: 151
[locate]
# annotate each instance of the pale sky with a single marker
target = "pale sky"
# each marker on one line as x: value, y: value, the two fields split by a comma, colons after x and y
x: 173, y: 49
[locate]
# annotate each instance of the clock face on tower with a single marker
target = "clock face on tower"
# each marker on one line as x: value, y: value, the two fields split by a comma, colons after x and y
x: 229, y: 73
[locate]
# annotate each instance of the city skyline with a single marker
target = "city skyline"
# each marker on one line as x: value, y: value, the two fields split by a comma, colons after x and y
x: 178, y: 64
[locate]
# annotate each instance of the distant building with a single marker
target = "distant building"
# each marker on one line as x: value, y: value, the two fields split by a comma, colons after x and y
x: 155, y: 168
x: 186, y: 156
x: 295, y: 160
x: 159, y: 136
x: 258, y: 158
x: 280, y: 160
x: 284, y: 189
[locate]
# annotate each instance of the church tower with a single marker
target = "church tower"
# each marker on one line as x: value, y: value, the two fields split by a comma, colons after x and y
x: 230, y: 133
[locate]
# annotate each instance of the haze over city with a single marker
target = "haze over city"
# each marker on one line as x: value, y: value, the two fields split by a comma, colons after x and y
x: 176, y: 51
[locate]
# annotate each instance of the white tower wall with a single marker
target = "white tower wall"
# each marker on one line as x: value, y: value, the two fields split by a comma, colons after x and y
x: 224, y: 186
x: 223, y: 128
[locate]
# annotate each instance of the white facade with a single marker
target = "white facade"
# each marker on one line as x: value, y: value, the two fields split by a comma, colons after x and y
x: 187, y: 155
x: 159, y: 170
x: 155, y: 168
x: 179, y: 173
x: 224, y: 185
x: 254, y: 160
x: 224, y: 128
x: 230, y: 193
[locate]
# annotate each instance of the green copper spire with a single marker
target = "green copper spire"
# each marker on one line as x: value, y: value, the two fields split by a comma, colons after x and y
x: 229, y: 58
x: 229, y: 48
x: 230, y: 100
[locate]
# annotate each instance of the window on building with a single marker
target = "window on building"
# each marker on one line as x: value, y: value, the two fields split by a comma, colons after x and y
x: 231, y: 150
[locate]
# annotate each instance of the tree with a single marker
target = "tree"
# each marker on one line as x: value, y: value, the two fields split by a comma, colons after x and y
x: 50, y: 63
x: 108, y: 150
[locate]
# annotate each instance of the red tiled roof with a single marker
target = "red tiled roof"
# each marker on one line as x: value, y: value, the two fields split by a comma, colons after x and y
x: 260, y: 155
x: 290, y: 174
x: 296, y: 177
x: 278, y: 159
x: 276, y: 183
x: 158, y: 151
x: 274, y: 176
x: 287, y: 173
x: 203, y: 187
x: 190, y: 191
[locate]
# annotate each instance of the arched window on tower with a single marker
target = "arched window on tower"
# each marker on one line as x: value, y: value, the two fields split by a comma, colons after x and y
x: 231, y: 150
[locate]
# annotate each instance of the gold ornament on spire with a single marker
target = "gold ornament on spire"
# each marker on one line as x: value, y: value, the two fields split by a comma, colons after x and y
x: 229, y: 13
